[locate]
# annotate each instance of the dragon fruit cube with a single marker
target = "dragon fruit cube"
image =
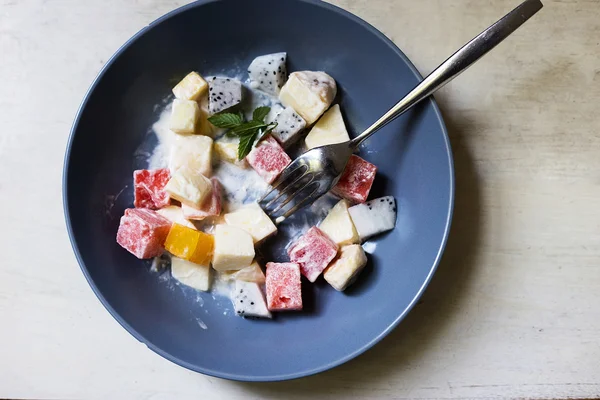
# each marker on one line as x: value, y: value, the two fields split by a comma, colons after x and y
x: 142, y: 232
x: 267, y: 73
x: 283, y: 286
x: 268, y: 159
x: 313, y: 252
x: 289, y: 126
x: 211, y: 206
x: 356, y: 180
x: 149, y: 188
x: 223, y: 93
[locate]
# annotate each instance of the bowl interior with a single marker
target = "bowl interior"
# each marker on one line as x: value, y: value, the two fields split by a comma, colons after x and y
x: 112, y: 137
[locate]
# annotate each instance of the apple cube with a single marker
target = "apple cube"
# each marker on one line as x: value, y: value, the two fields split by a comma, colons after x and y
x: 194, y: 152
x: 249, y: 301
x: 268, y: 159
x: 344, y: 270
x: 234, y: 248
x: 313, y: 251
x: 339, y: 226
x: 190, y: 87
x: 374, y: 216
x: 190, y: 244
x: 356, y: 180
x: 210, y: 207
x: 253, y: 220
x: 191, y: 274
x: 175, y: 215
x: 189, y: 187
x: 329, y: 129
x: 283, y: 286
x: 310, y: 93
x: 184, y: 115
x: 142, y: 232
x: 149, y: 188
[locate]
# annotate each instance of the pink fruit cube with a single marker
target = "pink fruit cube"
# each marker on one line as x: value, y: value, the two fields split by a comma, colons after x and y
x: 268, y: 159
x: 210, y: 207
x: 356, y: 180
x: 142, y: 232
x: 149, y: 188
x: 283, y: 286
x: 313, y: 252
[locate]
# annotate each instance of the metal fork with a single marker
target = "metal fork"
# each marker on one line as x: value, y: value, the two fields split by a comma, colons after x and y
x: 315, y: 172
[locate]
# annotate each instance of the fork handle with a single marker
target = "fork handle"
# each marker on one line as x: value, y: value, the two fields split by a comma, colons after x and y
x: 456, y: 64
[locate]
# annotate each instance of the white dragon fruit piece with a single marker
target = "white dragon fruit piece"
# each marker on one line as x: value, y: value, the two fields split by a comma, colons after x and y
x: 289, y: 126
x: 374, y: 217
x: 268, y: 73
x: 223, y: 93
x: 249, y: 301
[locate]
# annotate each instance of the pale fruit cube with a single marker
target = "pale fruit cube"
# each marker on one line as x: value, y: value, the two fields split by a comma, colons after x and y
x: 190, y: 87
x: 194, y: 152
x: 189, y: 187
x: 344, y: 270
x: 329, y: 129
x: 253, y: 220
x: 234, y: 248
x: 253, y: 273
x: 339, y: 226
x: 309, y: 93
x: 211, y: 207
x: 227, y: 151
x: 184, y: 116
x: 175, y: 214
x: 249, y: 301
x: 374, y: 216
x: 203, y: 126
x: 289, y: 126
x: 191, y: 274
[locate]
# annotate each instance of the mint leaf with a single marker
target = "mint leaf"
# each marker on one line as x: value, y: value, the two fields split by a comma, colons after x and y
x: 265, y: 132
x: 260, y: 113
x: 246, y: 128
x: 226, y: 120
x: 246, y: 143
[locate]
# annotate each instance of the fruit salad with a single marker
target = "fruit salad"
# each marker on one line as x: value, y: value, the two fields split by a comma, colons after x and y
x: 219, y: 152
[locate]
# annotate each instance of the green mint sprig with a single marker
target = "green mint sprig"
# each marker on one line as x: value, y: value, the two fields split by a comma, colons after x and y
x: 249, y: 132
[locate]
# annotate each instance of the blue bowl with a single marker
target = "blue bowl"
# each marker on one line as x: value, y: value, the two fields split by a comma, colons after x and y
x: 111, y: 135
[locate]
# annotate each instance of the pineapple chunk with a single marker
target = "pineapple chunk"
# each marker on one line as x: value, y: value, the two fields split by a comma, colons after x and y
x: 190, y: 87
x: 191, y: 274
x: 309, y: 93
x: 184, y: 116
x: 344, y: 270
x: 189, y: 187
x: 234, y: 248
x: 253, y: 220
x: 329, y: 129
x: 227, y: 151
x: 339, y: 226
x: 194, y: 152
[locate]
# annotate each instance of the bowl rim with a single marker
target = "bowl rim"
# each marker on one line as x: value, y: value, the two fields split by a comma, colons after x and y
x: 220, y: 374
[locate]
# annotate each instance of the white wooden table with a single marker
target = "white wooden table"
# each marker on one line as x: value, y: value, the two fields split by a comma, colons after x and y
x: 514, y: 309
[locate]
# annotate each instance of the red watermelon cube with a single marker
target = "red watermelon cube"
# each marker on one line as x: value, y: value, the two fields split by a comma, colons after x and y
x: 149, y: 188
x: 283, y: 287
x: 210, y: 207
x: 142, y: 232
x: 313, y: 252
x: 268, y: 159
x: 356, y: 180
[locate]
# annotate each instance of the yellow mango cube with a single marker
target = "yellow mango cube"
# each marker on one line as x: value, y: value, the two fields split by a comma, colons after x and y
x: 190, y: 87
x: 189, y: 244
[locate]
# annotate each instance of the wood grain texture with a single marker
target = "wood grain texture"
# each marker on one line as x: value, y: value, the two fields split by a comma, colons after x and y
x: 513, y: 311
